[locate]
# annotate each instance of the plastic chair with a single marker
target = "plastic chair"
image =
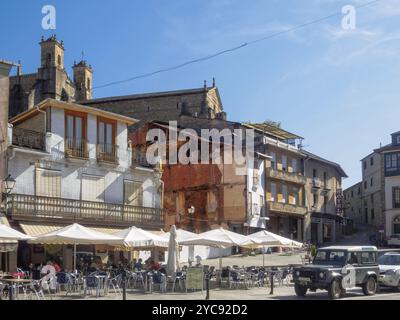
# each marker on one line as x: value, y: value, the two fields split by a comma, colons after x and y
x: 158, y: 279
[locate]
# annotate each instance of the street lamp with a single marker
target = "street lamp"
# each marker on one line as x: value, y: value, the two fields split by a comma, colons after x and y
x: 8, y: 185
x: 191, y: 211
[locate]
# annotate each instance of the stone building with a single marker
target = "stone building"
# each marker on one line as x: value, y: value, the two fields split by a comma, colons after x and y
x: 372, y: 206
x: 353, y: 208
x: 217, y: 193
x: 8, y: 254
x: 202, y: 103
x: 50, y: 81
x: 323, y: 198
x: 390, y: 175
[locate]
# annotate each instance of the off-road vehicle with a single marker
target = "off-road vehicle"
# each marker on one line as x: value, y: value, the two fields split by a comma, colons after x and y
x: 337, y: 269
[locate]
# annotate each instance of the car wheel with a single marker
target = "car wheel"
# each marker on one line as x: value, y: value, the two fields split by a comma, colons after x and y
x: 300, y: 290
x: 335, y: 290
x: 369, y: 287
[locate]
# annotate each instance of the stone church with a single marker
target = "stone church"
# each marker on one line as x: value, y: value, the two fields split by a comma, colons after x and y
x: 52, y: 81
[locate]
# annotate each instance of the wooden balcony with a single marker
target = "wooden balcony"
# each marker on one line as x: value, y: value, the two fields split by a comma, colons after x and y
x: 286, y: 176
x: 28, y: 139
x: 107, y: 152
x: 48, y: 209
x: 285, y: 208
x: 76, y: 148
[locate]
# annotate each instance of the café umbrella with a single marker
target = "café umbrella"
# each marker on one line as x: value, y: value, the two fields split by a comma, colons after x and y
x: 265, y: 238
x: 8, y: 233
x: 77, y: 234
x: 219, y: 238
x: 137, y: 238
x: 173, y: 251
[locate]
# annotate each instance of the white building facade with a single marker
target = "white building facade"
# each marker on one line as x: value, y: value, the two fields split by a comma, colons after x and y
x: 72, y: 164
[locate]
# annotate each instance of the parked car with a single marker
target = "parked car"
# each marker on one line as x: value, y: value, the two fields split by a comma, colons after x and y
x: 337, y: 269
x: 393, y: 240
x: 389, y: 265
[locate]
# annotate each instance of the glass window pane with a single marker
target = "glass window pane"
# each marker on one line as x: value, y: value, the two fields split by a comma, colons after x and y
x: 101, y: 132
x: 70, y: 126
x: 78, y: 128
x: 109, y: 133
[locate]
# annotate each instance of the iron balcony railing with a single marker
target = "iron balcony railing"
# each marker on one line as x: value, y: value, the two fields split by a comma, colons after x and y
x: 28, y: 139
x: 76, y: 148
x: 107, y: 152
x: 29, y: 207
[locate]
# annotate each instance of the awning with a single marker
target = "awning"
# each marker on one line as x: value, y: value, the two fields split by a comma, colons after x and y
x: 35, y: 229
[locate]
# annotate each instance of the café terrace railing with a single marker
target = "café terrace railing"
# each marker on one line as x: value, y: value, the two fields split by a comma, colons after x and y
x: 28, y: 139
x: 29, y: 207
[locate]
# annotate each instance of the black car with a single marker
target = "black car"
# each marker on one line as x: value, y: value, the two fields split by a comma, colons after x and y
x: 337, y: 269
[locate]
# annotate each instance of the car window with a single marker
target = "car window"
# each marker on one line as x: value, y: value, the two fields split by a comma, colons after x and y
x: 330, y: 257
x: 389, y: 260
x: 352, y: 259
x: 368, y: 257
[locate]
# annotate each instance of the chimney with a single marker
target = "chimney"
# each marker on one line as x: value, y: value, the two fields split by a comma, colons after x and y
x: 5, y: 68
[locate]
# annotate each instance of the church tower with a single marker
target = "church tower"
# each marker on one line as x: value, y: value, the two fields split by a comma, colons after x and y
x: 52, y: 53
x: 83, y: 75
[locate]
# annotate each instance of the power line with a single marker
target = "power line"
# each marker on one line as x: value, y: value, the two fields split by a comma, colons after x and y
x: 214, y: 55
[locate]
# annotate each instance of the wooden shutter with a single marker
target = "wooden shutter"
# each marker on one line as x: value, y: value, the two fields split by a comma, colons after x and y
x: 93, y: 188
x: 48, y: 183
x: 133, y: 193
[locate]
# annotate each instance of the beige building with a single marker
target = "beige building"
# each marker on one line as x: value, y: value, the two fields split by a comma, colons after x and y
x: 390, y: 173
x: 284, y: 181
x: 323, y: 198
x: 372, y: 192
x: 352, y: 207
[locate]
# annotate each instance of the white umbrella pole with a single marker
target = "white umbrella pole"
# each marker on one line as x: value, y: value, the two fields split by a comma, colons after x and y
x: 74, y: 257
x: 263, y: 256
x: 220, y: 258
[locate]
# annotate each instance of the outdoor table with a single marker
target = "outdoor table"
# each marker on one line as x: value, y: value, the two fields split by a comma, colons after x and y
x: 15, y: 282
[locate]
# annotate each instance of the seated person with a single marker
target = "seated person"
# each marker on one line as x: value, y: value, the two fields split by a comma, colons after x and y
x: 154, y: 265
x: 138, y: 265
x: 48, y: 269
x: 57, y: 266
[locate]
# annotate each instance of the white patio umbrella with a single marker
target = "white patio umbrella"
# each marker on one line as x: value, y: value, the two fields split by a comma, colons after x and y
x: 181, y: 235
x: 265, y: 238
x: 173, y: 251
x: 77, y: 234
x: 141, y: 239
x: 219, y: 238
x: 8, y: 233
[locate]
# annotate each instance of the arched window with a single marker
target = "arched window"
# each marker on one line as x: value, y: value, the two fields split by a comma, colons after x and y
x: 88, y: 83
x: 48, y: 59
x: 59, y: 60
x: 396, y: 225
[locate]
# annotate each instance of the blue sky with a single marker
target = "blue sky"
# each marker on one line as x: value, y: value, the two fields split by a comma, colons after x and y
x: 337, y: 88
